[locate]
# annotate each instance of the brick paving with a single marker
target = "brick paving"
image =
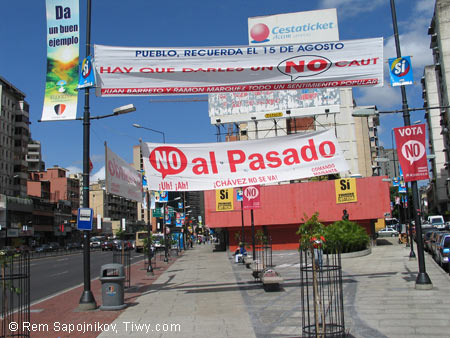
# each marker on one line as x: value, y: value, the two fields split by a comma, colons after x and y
x: 55, y: 314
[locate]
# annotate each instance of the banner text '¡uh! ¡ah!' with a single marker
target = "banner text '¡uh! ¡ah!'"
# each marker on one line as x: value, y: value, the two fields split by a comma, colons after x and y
x: 169, y: 160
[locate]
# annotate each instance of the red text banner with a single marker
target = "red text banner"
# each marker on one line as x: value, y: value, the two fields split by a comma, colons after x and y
x: 210, y: 166
x: 411, y: 152
x: 123, y: 71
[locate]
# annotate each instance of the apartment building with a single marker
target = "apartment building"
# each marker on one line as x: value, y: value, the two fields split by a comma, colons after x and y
x: 436, y: 93
x: 14, y: 139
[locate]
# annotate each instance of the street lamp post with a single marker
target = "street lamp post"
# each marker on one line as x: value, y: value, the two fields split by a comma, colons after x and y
x: 149, y: 228
x: 156, y: 131
x: 166, y: 248
x: 423, y: 281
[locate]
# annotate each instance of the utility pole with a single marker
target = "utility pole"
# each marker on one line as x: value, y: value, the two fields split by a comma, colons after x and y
x: 423, y: 281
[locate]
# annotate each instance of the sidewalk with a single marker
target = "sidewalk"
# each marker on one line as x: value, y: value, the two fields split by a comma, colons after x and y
x: 205, y: 294
x: 198, y: 294
x: 53, y: 317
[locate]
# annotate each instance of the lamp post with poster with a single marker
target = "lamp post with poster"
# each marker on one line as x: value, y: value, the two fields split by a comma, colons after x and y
x: 166, y: 229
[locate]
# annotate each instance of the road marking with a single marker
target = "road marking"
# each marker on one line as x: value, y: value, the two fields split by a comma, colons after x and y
x: 60, y: 273
x: 62, y: 259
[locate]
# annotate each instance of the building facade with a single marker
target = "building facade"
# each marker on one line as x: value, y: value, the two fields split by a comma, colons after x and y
x: 14, y: 139
x: 435, y: 83
x: 34, y: 156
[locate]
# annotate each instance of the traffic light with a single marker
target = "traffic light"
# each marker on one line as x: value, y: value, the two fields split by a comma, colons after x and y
x: 61, y: 228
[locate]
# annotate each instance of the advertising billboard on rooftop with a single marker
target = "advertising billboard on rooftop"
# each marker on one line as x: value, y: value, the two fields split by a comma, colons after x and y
x: 299, y: 27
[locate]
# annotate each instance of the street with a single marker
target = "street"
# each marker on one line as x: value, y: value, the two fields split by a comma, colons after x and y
x: 55, y: 274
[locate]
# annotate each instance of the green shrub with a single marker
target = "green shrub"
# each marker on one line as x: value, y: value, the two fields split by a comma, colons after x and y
x: 347, y: 236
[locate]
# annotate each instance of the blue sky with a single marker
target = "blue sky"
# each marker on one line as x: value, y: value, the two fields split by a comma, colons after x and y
x: 187, y: 23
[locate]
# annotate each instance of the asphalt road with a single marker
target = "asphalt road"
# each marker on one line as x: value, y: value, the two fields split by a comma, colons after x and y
x: 54, y: 274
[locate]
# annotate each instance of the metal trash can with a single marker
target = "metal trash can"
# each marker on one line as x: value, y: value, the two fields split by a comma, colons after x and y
x: 112, y: 277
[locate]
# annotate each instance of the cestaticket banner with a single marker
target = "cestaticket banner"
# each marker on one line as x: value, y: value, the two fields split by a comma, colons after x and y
x: 123, y: 71
x: 208, y: 166
x: 61, y: 95
x: 121, y: 178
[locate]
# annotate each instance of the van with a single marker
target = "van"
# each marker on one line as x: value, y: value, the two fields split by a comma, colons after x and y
x: 437, y: 222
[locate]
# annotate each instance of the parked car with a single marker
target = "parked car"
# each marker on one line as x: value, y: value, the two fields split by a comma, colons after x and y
x: 22, y: 249
x: 387, y: 232
x: 433, y: 241
x: 54, y: 246
x: 72, y: 246
x: 443, y: 250
x: 427, y: 239
x: 8, y: 250
x: 43, y: 248
x: 96, y: 242
x: 107, y: 245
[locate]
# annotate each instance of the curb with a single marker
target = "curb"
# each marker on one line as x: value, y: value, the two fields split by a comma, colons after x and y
x: 357, y: 253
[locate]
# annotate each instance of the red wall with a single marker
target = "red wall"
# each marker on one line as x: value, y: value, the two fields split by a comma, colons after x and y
x: 284, y: 207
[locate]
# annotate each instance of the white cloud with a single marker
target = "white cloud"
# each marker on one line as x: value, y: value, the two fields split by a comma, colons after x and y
x: 352, y: 8
x: 74, y: 170
x: 99, y: 175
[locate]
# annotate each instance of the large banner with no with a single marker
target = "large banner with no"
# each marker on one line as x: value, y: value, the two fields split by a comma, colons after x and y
x: 147, y: 71
x: 121, y: 178
x: 207, y: 166
x: 60, y: 101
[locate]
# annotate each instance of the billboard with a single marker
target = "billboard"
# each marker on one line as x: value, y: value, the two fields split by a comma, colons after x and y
x: 300, y: 27
x: 131, y: 71
x: 211, y: 166
x: 241, y: 107
x: 121, y: 178
x: 311, y: 26
x: 61, y: 95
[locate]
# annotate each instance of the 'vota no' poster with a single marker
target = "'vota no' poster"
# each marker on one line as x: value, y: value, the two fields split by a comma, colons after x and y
x: 60, y: 102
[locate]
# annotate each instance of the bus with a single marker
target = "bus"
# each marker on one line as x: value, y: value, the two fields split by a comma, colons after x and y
x: 140, y: 237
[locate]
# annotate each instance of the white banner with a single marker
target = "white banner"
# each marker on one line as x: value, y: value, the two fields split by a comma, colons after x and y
x: 207, y: 166
x: 147, y: 71
x: 121, y: 178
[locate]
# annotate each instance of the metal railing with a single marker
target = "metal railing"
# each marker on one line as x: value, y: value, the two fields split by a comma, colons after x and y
x: 322, y: 295
x: 124, y: 258
x: 15, y: 296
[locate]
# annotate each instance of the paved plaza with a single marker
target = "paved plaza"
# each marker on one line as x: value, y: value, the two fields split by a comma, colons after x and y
x: 209, y: 295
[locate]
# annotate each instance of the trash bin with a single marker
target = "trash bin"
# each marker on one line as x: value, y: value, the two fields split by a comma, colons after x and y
x: 112, y: 277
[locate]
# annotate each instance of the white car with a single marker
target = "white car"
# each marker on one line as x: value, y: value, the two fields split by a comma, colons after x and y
x: 387, y: 232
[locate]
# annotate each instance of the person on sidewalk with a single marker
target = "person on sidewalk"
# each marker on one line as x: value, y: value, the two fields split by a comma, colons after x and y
x: 345, y: 215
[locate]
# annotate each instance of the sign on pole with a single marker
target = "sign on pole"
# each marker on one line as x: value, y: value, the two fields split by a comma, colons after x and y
x: 400, y: 71
x: 85, y: 218
x: 252, y: 197
x: 411, y: 152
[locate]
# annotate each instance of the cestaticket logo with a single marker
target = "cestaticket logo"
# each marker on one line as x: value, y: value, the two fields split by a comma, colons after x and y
x: 259, y: 33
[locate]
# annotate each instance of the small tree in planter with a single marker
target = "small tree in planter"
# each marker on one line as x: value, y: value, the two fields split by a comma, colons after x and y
x: 311, y: 240
x: 323, y: 274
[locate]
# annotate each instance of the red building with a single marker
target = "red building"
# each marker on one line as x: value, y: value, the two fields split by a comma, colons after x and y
x: 283, y: 208
x: 54, y: 186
